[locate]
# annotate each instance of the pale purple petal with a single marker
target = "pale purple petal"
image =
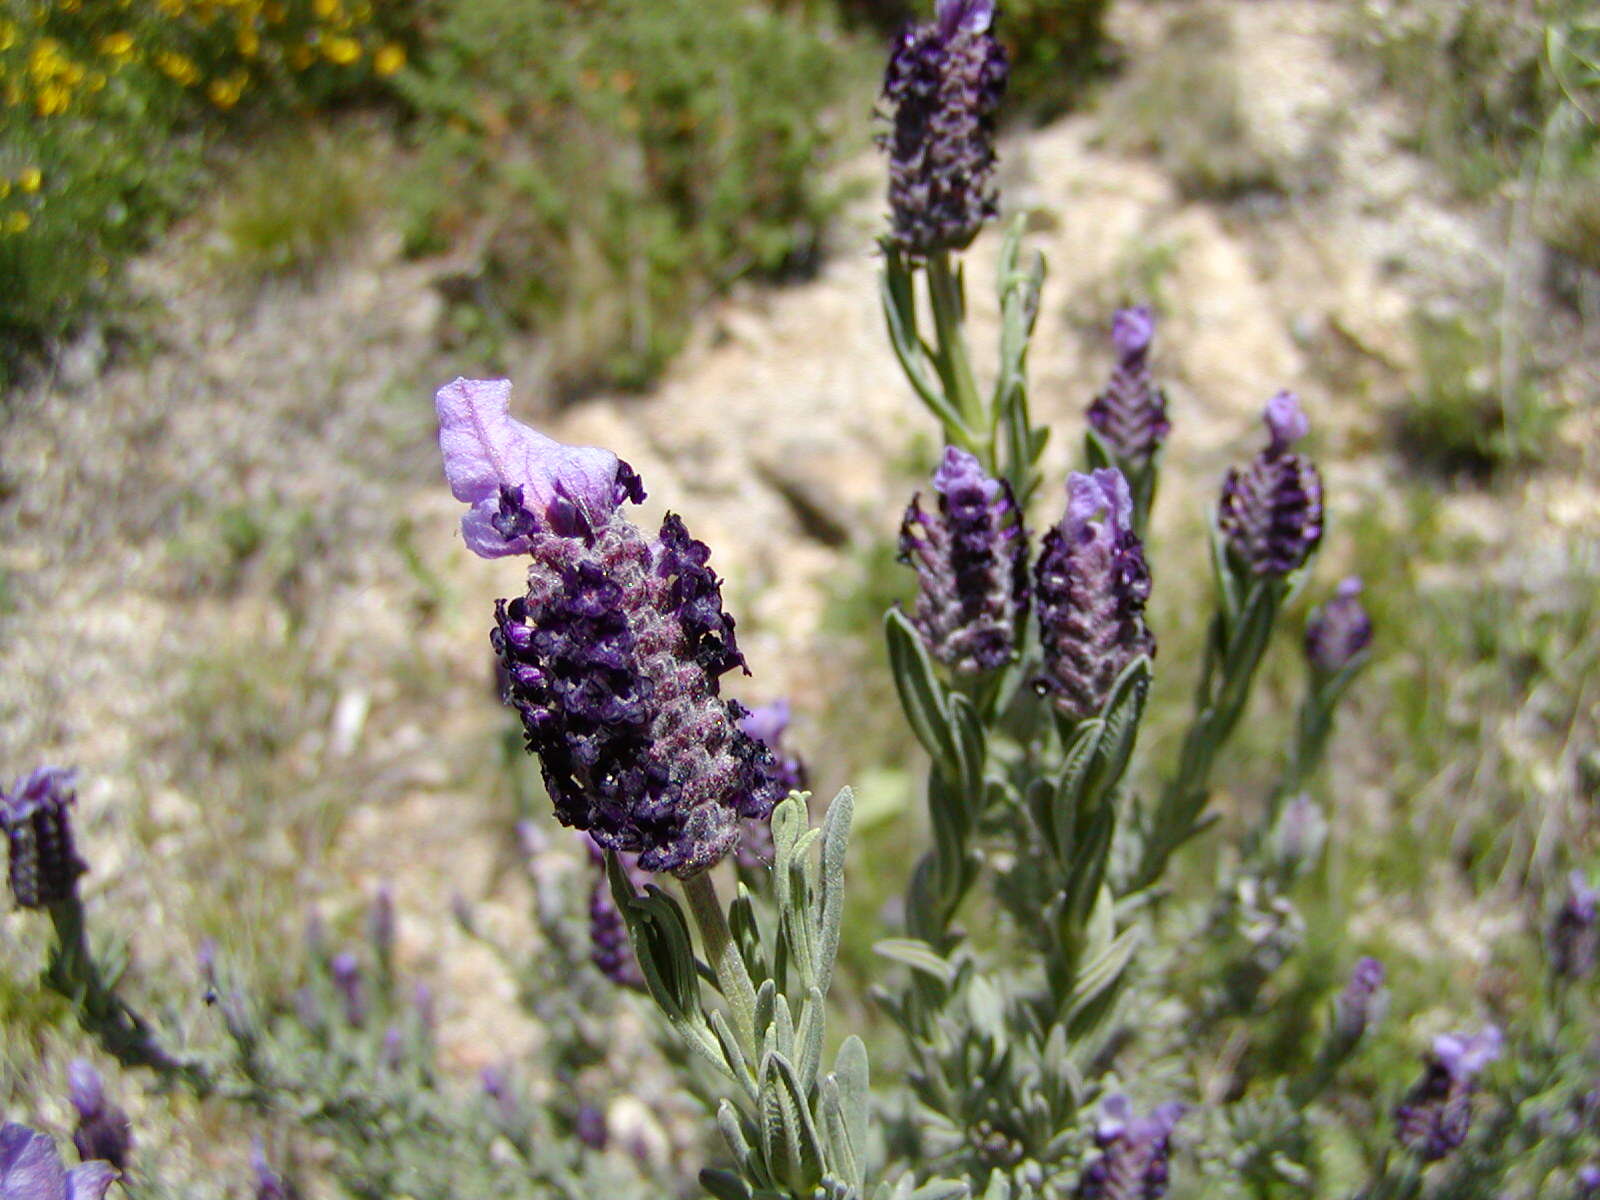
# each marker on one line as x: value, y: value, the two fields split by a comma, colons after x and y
x: 766, y: 722
x: 1100, y: 492
x: 90, y: 1180
x: 1464, y: 1056
x: 1286, y: 421
x: 958, y: 469
x: 965, y: 16
x: 1132, y: 329
x: 486, y: 451
x: 30, y: 1169
x: 1115, y: 1114
x: 84, y: 1087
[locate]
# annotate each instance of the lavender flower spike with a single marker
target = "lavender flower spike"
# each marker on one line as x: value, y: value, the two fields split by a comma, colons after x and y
x: 1092, y: 585
x: 943, y: 84
x: 971, y: 562
x: 1134, y: 1152
x: 1271, y: 510
x: 1339, y: 631
x: 1360, y: 1005
x: 614, y: 653
x: 1131, y: 414
x: 1575, y: 933
x: 1434, y: 1118
x: 516, y: 479
x: 30, y: 1169
x: 104, y: 1131
x: 35, y: 817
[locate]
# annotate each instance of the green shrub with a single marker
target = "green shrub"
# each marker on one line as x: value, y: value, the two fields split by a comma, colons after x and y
x: 623, y: 161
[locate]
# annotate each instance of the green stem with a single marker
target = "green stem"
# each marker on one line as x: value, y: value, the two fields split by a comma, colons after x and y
x: 955, y: 367
x: 723, y: 954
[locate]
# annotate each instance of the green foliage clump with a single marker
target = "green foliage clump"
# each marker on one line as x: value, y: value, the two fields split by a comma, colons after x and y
x: 622, y: 161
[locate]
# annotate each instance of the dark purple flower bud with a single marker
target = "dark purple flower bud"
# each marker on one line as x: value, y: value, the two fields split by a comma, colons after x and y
x: 590, y: 1126
x: 1433, y: 1120
x: 1360, y: 1005
x: 943, y: 86
x: 346, y: 972
x: 1134, y: 1152
x: 1588, y: 1181
x: 1131, y: 414
x: 1340, y: 630
x: 380, y: 922
x: 38, y: 827
x: 498, y: 1089
x: 614, y: 654
x: 269, y: 1184
x: 104, y: 1131
x: 971, y: 559
x: 1091, y: 584
x: 30, y: 1169
x: 1271, y: 510
x: 609, y: 947
x: 1575, y: 932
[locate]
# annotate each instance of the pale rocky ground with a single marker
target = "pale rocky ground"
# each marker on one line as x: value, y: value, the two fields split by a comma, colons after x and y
x: 310, y: 402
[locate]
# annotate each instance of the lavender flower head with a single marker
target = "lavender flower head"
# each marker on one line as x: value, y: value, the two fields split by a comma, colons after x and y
x: 44, y: 865
x: 971, y: 558
x: 104, y: 1131
x: 943, y: 85
x: 30, y: 1169
x: 1271, y: 510
x: 1092, y: 585
x: 1131, y: 414
x: 614, y: 654
x: 1434, y: 1118
x: 1360, y: 1005
x: 345, y: 969
x: 1340, y: 630
x: 269, y: 1184
x: 1134, y: 1152
x: 1588, y: 1181
x: 1575, y: 933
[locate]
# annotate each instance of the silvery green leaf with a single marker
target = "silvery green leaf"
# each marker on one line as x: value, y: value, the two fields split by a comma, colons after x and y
x: 782, y: 1027
x: 999, y: 1186
x: 747, y: 932
x: 739, y: 1066
x: 766, y: 997
x: 899, y: 1190
x: 737, y: 1137
x: 830, y: 915
x: 969, y: 745
x: 1089, y: 863
x: 724, y: 1185
x: 841, y: 1152
x: 900, y: 317
x: 917, y: 955
x: 922, y: 696
x: 942, y: 1189
x: 1069, y: 789
x: 1222, y: 575
x: 1096, y: 454
x: 1120, y: 730
x: 789, y: 1136
x: 1103, y: 971
x: 808, y: 1038
x: 986, y: 1007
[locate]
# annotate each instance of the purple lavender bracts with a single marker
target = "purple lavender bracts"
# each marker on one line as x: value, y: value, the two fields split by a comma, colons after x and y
x: 613, y: 655
x: 943, y: 86
x: 1091, y: 584
x: 1134, y: 1152
x: 1130, y: 415
x: 1360, y: 1004
x: 1575, y: 933
x: 1435, y: 1116
x: 971, y: 559
x: 1340, y: 630
x: 30, y: 1169
x: 104, y: 1131
x: 36, y: 818
x: 1271, y: 510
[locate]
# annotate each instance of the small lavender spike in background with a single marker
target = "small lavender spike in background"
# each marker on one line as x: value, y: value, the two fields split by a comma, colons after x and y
x: 1435, y: 1116
x: 590, y: 1126
x: 1091, y: 584
x: 36, y: 817
x: 1574, y: 939
x: 1360, y: 1005
x: 381, y: 922
x: 103, y: 1131
x: 30, y: 1169
x: 1271, y: 510
x: 614, y: 654
x: 971, y: 559
x: 1299, y: 834
x: 1588, y: 1181
x: 1340, y: 630
x: 269, y: 1184
x: 1134, y: 1152
x: 943, y: 87
x: 609, y: 948
x: 346, y: 971
x: 1130, y: 415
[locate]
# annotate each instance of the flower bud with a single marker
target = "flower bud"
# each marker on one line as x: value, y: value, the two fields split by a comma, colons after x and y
x: 1130, y: 415
x: 1574, y: 939
x: 1271, y: 510
x: 1134, y: 1152
x: 1339, y: 631
x: 269, y: 1184
x: 104, y: 1131
x: 1359, y: 1006
x: 346, y: 972
x: 1091, y: 583
x: 971, y: 559
x: 1435, y: 1116
x: 36, y: 818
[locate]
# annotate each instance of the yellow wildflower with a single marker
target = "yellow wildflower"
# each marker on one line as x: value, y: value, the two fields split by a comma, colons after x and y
x: 5, y: 188
x: 52, y: 100
x: 249, y: 42
x: 18, y: 221
x: 117, y: 45
x: 30, y: 180
x: 325, y: 9
x: 178, y: 68
x: 341, y: 50
x: 389, y: 59
x: 225, y: 93
x: 8, y: 35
